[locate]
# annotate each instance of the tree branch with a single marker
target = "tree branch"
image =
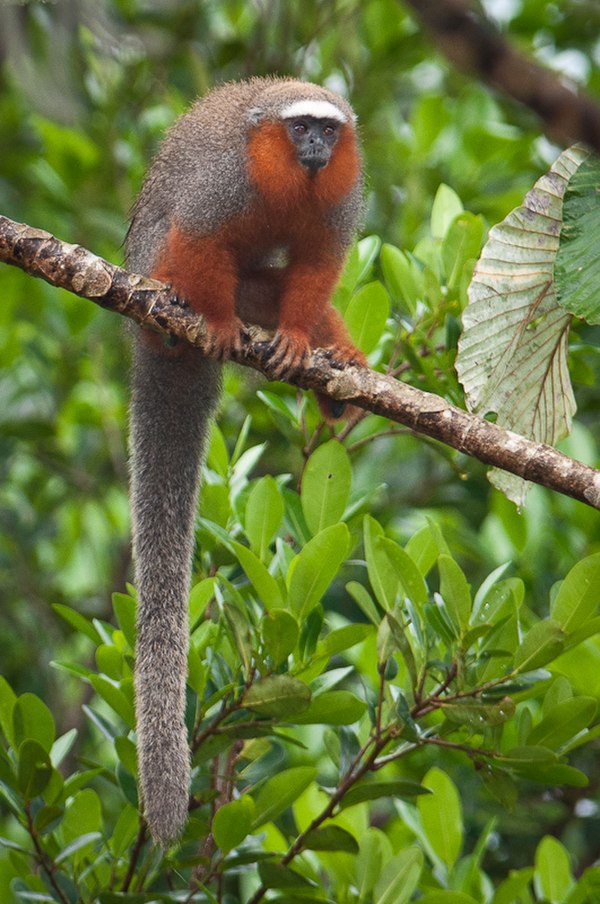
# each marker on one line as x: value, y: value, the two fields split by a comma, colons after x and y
x: 473, y: 44
x: 150, y: 304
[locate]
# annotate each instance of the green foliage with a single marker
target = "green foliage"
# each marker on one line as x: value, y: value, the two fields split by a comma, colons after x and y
x: 449, y: 675
x: 576, y: 263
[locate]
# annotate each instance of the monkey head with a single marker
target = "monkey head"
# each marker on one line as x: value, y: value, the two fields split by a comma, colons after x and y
x: 302, y: 134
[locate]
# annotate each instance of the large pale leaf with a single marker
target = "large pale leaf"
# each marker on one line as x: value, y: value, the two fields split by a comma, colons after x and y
x: 512, y: 357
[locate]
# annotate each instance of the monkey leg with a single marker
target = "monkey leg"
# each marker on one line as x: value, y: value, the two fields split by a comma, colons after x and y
x: 304, y: 301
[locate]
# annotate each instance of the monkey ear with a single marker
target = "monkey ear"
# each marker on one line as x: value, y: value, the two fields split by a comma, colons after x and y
x: 255, y: 115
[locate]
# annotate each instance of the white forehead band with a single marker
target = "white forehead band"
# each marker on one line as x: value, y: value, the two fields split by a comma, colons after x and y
x: 320, y: 109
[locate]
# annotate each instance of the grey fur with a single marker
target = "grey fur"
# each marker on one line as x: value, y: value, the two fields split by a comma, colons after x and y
x: 198, y: 179
x: 172, y: 399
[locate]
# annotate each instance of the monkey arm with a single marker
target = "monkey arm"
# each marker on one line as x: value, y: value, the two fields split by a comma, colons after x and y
x: 203, y: 273
x: 305, y: 311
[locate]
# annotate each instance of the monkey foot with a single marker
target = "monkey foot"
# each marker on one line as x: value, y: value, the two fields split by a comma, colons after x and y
x: 224, y: 338
x: 287, y: 353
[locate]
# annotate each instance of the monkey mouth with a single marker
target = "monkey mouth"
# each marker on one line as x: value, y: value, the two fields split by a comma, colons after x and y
x: 314, y: 162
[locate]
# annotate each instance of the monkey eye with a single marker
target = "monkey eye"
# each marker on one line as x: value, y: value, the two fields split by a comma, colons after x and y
x: 329, y: 130
x: 300, y: 127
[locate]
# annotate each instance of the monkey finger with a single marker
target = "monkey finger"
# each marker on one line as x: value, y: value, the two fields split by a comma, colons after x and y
x: 346, y: 356
x: 287, y: 354
x: 225, y: 339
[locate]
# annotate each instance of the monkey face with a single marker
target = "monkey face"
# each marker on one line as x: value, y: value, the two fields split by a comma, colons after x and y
x: 314, y: 139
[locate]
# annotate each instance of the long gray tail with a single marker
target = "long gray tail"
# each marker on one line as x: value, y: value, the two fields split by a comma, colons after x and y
x: 172, y: 400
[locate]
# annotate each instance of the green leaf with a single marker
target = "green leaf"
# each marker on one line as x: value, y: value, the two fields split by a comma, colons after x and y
x: 81, y: 842
x: 333, y: 708
x: 447, y: 897
x: 11, y: 845
x: 83, y: 814
x: 276, y: 875
x: 248, y: 460
x: 558, y: 774
x: 33, y: 720
x: 109, y: 661
x: 125, y: 830
x: 438, y: 619
x: 403, y: 276
x: 391, y: 639
x: 369, y: 790
x: 425, y: 546
x: 34, y: 769
x: 48, y: 818
x: 241, y: 635
x: 407, y: 571
x: 315, y: 567
x: 77, y: 621
x: 446, y: 207
x: 375, y: 850
x: 115, y: 698
x: 127, y: 753
x: 461, y: 246
x: 200, y: 596
x: 326, y: 486
x: 515, y: 888
x: 279, y: 792
x: 499, y: 647
x: 479, y: 715
x: 362, y: 598
x: 368, y: 248
x: 263, y: 582
x: 197, y: 672
x: 264, y: 514
x: 344, y: 638
x: 441, y: 816
x: 577, y: 266
x: 579, y: 594
x: 455, y: 592
x: 215, y: 504
x: 542, y: 643
x: 279, y: 406
x: 366, y: 316
x: 526, y: 758
x: 399, y: 877
x: 280, y: 634
x: 217, y: 458
x: 331, y: 838
x: 62, y: 746
x: 563, y: 722
x: 552, y: 878
x: 498, y: 601
x: 124, y: 609
x: 8, y: 698
x: 279, y: 696
x: 382, y: 574
x: 232, y: 822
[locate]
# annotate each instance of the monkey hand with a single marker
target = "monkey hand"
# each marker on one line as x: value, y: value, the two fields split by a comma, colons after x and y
x: 342, y: 356
x: 224, y: 337
x: 287, y: 353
